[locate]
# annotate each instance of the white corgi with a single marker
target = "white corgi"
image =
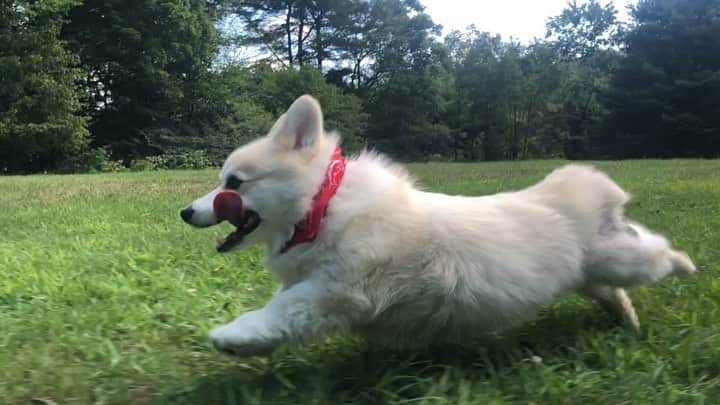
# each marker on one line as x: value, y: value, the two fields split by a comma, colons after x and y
x: 359, y: 249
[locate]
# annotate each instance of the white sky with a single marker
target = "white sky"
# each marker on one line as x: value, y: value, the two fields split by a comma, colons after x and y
x: 521, y: 19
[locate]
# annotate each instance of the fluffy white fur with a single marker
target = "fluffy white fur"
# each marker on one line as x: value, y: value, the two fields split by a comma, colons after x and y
x: 405, y: 267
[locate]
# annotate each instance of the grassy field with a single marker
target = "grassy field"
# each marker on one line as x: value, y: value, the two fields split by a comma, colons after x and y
x: 107, y: 297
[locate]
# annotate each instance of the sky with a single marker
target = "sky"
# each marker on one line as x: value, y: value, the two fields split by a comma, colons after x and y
x: 521, y: 19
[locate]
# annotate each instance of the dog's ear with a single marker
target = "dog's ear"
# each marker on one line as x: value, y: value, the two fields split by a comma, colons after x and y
x: 301, y: 127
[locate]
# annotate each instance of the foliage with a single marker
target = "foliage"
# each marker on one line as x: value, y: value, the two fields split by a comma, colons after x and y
x: 406, y: 112
x: 106, y: 296
x: 274, y: 90
x: 405, y: 81
x: 581, y: 36
x: 297, y: 32
x: 665, y: 96
x: 173, y: 161
x: 154, y: 84
x: 88, y: 160
x: 41, y: 124
x: 144, y: 61
x: 225, y: 117
x: 507, y: 98
x: 582, y: 30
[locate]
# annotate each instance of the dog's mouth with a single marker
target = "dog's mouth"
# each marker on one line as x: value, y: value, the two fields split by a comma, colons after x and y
x: 249, y: 222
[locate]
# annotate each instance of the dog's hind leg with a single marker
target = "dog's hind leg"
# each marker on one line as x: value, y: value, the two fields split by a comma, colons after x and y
x: 616, y: 301
x: 633, y: 256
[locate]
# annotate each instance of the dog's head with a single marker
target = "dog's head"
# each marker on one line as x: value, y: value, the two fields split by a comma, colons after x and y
x: 267, y: 185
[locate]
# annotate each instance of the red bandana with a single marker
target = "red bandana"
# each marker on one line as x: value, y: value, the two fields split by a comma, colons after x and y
x: 308, y: 229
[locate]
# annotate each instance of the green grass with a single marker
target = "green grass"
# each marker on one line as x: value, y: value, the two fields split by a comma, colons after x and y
x: 107, y: 297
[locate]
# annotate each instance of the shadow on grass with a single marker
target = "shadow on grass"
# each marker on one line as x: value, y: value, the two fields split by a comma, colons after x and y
x: 352, y: 372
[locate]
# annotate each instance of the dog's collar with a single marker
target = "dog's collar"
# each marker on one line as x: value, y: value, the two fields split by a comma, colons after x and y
x: 308, y: 229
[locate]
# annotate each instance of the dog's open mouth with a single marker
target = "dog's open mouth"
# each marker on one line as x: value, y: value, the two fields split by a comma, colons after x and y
x: 250, y: 222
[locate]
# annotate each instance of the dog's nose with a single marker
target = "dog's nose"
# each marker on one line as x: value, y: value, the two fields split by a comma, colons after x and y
x: 187, y: 213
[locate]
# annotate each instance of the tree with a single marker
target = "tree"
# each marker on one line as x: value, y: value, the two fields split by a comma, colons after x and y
x: 388, y: 36
x: 274, y: 90
x: 41, y: 124
x: 542, y: 80
x: 664, y: 99
x: 490, y: 86
x: 506, y: 98
x: 581, y: 37
x: 407, y: 111
x: 144, y: 60
x: 295, y: 32
x: 475, y: 57
x: 225, y: 116
x: 403, y: 85
x: 581, y: 31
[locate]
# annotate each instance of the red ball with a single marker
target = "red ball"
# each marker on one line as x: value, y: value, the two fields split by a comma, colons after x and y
x: 228, y: 206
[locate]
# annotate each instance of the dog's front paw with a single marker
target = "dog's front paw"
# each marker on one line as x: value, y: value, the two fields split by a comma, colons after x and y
x: 246, y: 336
x: 239, y: 346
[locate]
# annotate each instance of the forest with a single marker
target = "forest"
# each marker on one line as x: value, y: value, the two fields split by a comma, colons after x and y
x: 110, y: 85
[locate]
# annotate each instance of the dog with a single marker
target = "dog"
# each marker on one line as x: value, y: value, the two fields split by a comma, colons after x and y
x: 359, y: 249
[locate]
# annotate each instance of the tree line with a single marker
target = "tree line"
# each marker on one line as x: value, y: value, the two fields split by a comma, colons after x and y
x: 84, y: 82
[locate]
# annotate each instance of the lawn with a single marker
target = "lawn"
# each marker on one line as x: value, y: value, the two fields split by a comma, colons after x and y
x: 107, y: 297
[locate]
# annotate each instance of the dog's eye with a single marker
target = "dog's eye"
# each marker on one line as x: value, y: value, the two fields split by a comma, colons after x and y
x: 233, y: 182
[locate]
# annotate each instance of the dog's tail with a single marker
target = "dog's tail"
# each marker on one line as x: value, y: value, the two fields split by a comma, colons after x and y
x: 584, y: 194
